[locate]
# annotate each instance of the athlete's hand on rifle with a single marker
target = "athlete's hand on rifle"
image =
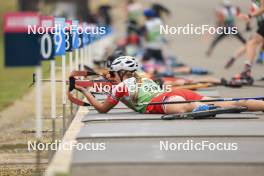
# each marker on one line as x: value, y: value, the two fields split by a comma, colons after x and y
x: 81, y: 89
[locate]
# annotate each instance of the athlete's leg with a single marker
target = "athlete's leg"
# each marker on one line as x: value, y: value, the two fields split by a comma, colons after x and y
x: 181, y: 95
x: 252, y: 105
x: 252, y: 45
x: 180, y: 108
x: 217, y: 39
x: 240, y: 38
x: 238, y: 53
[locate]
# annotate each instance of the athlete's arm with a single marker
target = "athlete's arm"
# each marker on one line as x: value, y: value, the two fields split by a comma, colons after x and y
x: 260, y: 11
x: 100, y: 107
x: 117, y: 94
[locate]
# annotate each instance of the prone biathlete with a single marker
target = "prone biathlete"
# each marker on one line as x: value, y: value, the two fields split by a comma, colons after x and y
x: 136, y: 92
x: 226, y: 18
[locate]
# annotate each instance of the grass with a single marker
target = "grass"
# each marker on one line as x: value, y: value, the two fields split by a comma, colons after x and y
x: 7, y: 91
x: 14, y: 82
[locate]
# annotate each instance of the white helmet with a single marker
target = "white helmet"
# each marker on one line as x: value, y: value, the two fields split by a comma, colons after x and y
x: 126, y: 63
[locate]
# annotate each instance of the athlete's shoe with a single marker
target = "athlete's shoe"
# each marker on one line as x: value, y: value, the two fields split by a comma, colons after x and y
x: 230, y: 63
x: 231, y: 83
x: 244, y: 78
x: 204, y: 107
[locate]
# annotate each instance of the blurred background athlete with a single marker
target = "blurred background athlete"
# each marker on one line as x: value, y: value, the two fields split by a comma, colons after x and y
x: 242, y: 50
x: 255, y: 41
x: 225, y: 17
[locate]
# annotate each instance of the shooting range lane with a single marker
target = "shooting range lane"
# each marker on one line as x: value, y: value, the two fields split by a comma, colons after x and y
x: 127, y: 114
x: 132, y: 143
x: 154, y: 128
x: 138, y: 156
x: 155, y: 150
x: 134, y: 146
